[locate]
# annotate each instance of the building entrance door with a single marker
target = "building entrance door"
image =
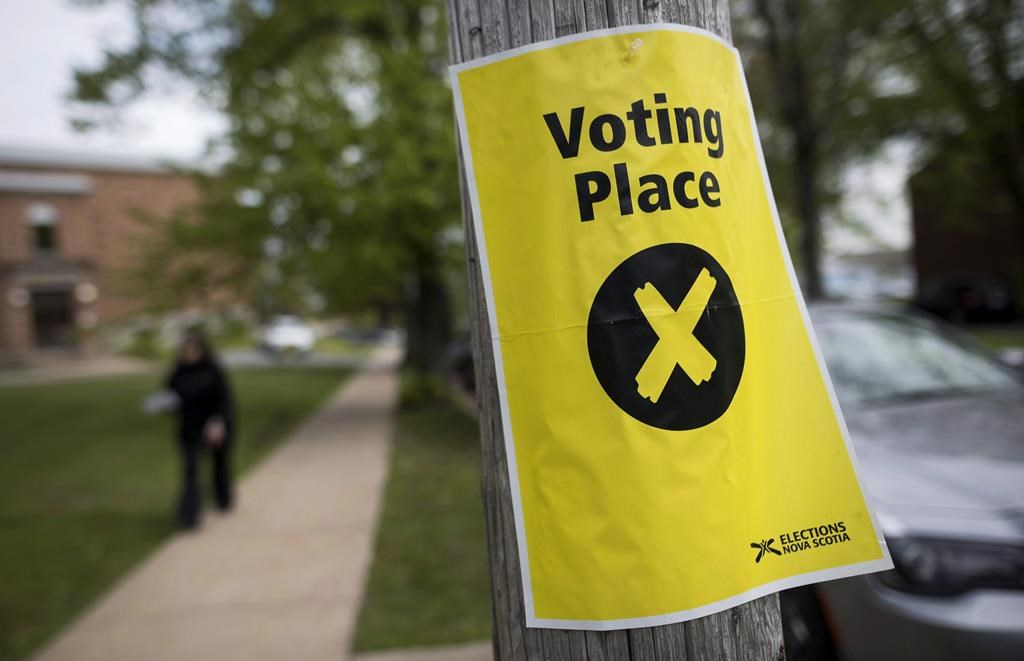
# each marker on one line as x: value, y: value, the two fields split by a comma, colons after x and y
x: 53, y: 319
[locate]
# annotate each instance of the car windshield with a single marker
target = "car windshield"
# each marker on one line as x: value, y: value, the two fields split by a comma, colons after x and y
x: 877, y: 357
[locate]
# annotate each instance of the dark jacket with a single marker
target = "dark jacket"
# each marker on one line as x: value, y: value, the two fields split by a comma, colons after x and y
x: 204, y: 392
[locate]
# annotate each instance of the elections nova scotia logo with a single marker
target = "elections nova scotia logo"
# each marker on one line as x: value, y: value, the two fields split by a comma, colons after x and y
x: 802, y: 540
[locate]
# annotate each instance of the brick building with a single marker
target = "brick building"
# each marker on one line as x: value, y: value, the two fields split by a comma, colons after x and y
x: 70, y: 232
x: 968, y: 241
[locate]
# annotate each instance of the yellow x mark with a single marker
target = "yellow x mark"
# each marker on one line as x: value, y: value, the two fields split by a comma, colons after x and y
x: 676, y: 342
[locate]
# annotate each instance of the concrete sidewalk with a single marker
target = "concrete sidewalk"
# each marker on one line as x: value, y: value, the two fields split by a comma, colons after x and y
x: 282, y: 576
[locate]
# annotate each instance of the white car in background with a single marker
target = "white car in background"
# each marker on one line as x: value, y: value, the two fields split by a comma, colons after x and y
x: 287, y: 334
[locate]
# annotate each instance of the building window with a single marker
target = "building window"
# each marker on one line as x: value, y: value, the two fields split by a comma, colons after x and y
x: 46, y: 241
x: 43, y: 220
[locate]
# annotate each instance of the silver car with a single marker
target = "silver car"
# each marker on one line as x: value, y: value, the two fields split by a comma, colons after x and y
x: 938, y: 427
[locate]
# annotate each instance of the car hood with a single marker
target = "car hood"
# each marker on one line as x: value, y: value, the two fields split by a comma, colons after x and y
x: 953, y: 464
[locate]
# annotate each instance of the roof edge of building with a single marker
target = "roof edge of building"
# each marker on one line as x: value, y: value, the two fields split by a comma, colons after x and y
x: 19, y: 181
x: 106, y: 161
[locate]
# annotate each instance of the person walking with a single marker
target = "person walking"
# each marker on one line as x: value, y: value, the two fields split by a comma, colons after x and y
x: 206, y: 421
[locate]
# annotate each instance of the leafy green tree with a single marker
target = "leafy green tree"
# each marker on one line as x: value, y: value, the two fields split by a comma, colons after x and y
x: 965, y: 64
x: 338, y: 182
x: 833, y: 80
x: 816, y: 75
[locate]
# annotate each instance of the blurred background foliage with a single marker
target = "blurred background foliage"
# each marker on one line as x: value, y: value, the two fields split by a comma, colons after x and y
x: 337, y: 184
x: 833, y: 81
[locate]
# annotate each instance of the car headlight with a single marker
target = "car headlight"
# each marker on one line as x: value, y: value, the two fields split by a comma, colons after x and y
x: 946, y: 567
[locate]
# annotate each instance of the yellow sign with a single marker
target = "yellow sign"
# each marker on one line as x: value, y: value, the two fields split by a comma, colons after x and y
x: 675, y: 447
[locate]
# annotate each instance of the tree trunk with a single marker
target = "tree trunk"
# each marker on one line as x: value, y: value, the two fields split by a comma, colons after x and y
x: 749, y: 632
x: 427, y: 319
x: 805, y: 177
x: 782, y: 26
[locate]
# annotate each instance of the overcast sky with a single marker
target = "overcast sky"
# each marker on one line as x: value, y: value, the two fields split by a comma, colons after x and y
x: 877, y: 199
x: 42, y: 40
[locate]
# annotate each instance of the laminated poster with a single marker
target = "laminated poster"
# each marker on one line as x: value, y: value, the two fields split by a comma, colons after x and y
x: 675, y: 446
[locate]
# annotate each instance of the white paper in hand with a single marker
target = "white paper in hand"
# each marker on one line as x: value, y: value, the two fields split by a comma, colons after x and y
x: 164, y: 401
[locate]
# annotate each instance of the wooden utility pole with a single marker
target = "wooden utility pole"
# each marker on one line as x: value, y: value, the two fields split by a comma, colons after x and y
x: 752, y: 631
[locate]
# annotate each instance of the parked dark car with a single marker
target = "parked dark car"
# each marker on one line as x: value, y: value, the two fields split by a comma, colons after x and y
x: 968, y: 297
x: 938, y: 426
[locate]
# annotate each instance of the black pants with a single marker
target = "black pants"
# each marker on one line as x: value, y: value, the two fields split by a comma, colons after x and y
x: 191, y: 498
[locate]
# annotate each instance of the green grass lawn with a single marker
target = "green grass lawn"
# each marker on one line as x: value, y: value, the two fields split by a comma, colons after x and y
x: 87, y: 484
x: 339, y: 346
x: 429, y: 584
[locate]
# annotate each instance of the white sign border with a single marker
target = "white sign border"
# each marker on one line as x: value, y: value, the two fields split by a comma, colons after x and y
x: 844, y: 571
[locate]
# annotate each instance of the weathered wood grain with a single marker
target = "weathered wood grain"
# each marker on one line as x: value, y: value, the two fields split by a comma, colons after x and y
x: 751, y: 632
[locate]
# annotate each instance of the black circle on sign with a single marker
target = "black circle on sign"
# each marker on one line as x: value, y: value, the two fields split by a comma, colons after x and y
x: 620, y: 338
